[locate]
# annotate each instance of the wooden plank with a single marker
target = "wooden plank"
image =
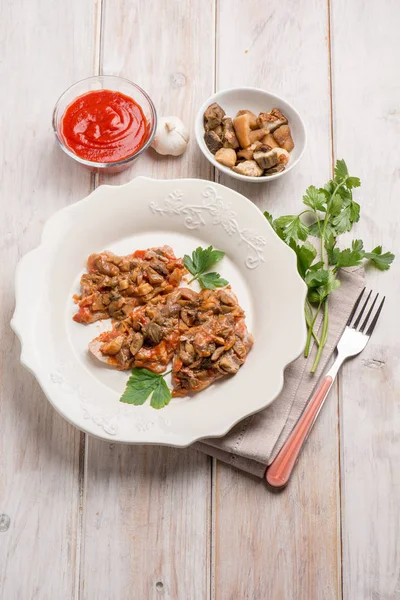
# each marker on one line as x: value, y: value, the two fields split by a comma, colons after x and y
x: 286, y: 545
x: 147, y: 509
x: 365, y: 90
x: 48, y: 45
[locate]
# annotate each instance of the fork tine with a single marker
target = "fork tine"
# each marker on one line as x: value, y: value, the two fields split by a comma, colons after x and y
x: 355, y: 308
x: 357, y: 322
x: 375, y: 319
x: 368, y: 315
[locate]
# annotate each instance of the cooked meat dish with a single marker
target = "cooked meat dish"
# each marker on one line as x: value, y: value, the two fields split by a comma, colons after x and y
x: 204, y: 333
x: 115, y: 285
x: 147, y: 338
x: 155, y: 322
x: 251, y: 145
x: 213, y: 341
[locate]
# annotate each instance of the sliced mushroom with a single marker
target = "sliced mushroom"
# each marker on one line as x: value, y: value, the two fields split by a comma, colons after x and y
x: 271, y: 120
x: 247, y: 153
x: 249, y: 168
x: 213, y: 141
x: 229, y: 363
x: 242, y: 129
x: 153, y: 333
x: 228, y: 137
x: 256, y: 135
x: 269, y: 140
x: 252, y: 117
x: 227, y: 297
x: 218, y: 131
x: 187, y: 353
x: 136, y: 343
x: 115, y: 306
x: 213, y: 116
x: 113, y: 347
x: 215, y: 356
x: 284, y: 138
x: 226, y: 156
x: 266, y: 157
x: 154, y: 277
x: 283, y: 156
x: 277, y: 169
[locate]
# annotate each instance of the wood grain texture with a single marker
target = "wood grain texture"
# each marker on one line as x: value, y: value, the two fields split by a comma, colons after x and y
x: 39, y: 451
x: 366, y: 89
x: 287, y: 545
x: 147, y: 523
x: 168, y: 49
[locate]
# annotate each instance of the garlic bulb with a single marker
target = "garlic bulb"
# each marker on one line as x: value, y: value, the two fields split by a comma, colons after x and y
x: 171, y: 136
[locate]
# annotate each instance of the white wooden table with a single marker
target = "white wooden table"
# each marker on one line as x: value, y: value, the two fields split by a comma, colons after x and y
x: 82, y: 519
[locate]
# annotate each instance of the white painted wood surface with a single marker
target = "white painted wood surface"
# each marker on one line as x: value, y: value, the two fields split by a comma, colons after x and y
x: 365, y: 86
x: 45, y: 45
x: 291, y: 541
x: 86, y: 519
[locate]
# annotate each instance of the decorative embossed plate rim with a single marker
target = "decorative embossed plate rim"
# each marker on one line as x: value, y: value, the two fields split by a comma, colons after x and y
x: 189, y: 211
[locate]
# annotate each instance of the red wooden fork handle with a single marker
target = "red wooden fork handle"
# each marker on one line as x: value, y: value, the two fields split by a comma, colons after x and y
x: 279, y: 472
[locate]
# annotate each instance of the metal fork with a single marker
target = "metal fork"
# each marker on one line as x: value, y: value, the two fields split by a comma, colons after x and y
x: 352, y: 342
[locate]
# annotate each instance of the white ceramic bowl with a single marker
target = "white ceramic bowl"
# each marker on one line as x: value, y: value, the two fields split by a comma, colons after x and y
x: 256, y: 100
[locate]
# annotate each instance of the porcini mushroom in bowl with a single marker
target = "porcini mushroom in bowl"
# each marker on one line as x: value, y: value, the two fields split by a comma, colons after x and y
x: 250, y: 134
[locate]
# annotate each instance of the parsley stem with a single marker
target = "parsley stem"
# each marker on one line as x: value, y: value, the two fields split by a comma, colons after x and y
x: 193, y: 279
x: 309, y: 314
x: 167, y: 373
x: 324, y: 336
x: 310, y: 332
x: 326, y: 218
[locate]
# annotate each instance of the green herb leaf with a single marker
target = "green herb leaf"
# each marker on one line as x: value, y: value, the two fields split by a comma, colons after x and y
x: 348, y: 258
x: 314, y: 198
x: 161, y: 395
x: 357, y: 246
x: 141, y: 384
x: 187, y: 261
x: 314, y: 229
x: 269, y: 218
x: 210, y: 281
x: 305, y: 257
x: 292, y: 228
x: 381, y: 261
x: 347, y: 216
x: 341, y: 171
x: 335, y: 205
x: 201, y: 260
x: 353, y: 182
x: 328, y: 284
x: 317, y: 278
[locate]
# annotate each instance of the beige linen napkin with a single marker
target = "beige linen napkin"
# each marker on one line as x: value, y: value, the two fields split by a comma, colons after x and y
x: 253, y: 444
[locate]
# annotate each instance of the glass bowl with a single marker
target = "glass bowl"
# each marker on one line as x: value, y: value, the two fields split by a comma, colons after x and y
x: 105, y: 82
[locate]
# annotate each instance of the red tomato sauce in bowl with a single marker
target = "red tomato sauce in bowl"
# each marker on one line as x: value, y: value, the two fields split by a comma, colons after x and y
x: 104, y: 126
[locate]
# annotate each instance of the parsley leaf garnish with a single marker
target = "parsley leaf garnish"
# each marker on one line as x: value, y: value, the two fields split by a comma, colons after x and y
x: 379, y: 260
x: 335, y: 212
x: 201, y: 260
x: 292, y: 228
x: 211, y: 281
x: 141, y: 384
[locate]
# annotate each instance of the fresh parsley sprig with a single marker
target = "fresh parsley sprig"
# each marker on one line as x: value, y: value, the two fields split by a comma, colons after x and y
x: 334, y: 211
x: 141, y: 384
x: 202, y: 260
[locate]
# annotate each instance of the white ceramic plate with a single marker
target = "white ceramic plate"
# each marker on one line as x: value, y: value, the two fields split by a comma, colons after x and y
x: 257, y: 101
x: 183, y: 213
